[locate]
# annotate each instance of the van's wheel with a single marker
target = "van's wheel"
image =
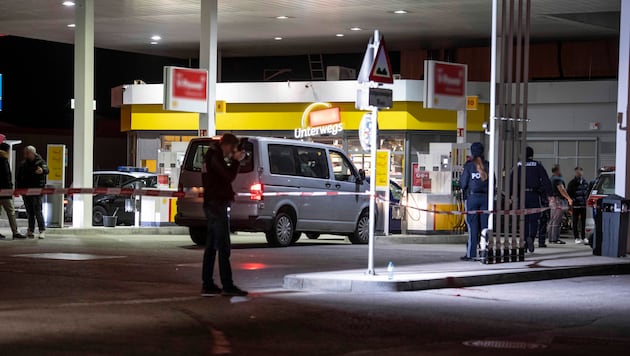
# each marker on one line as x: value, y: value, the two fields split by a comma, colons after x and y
x: 282, y: 230
x: 361, y: 234
x: 198, y: 235
x: 97, y: 215
x: 313, y: 235
x: 296, y: 236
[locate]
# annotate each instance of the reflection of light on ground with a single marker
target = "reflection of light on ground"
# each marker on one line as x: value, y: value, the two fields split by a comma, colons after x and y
x: 252, y: 266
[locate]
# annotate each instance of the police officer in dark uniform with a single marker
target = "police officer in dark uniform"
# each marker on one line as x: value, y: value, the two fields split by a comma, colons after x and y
x: 537, y: 189
x: 474, y: 184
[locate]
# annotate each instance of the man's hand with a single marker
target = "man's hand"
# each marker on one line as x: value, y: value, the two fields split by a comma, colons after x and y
x: 570, y: 201
x: 239, y: 155
x: 39, y: 170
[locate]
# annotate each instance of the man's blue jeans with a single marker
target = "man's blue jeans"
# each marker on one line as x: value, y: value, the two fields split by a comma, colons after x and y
x: 218, y: 241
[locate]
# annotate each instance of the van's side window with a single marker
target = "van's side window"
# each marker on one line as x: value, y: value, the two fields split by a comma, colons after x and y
x: 197, y: 154
x: 342, y: 168
x: 298, y: 161
x: 312, y: 162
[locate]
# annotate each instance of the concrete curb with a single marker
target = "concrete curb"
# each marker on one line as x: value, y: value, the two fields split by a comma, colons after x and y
x: 306, y: 282
x: 423, y: 239
x: 120, y: 230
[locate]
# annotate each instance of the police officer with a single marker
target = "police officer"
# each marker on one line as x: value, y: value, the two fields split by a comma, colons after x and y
x: 474, y: 184
x: 537, y: 188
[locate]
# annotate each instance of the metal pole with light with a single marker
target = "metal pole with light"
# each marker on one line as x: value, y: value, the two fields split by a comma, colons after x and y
x: 373, y: 148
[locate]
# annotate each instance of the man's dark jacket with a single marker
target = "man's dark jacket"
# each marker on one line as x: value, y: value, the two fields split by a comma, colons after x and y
x: 218, y: 178
x: 27, y: 178
x: 5, y: 171
x: 578, y: 191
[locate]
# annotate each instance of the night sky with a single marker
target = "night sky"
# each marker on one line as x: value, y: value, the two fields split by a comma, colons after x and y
x: 38, y: 77
x: 38, y: 80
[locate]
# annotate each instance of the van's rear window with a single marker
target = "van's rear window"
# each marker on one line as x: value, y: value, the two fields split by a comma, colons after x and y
x: 197, y: 153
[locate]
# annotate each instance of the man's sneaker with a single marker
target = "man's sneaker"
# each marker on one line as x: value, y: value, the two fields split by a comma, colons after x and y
x: 30, y: 235
x: 42, y: 235
x: 559, y: 242
x: 586, y: 242
x: 578, y: 241
x: 543, y: 245
x: 211, y: 292
x: 18, y: 236
x: 234, y: 291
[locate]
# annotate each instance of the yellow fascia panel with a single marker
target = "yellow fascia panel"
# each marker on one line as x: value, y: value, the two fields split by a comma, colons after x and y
x: 153, y: 118
x: 125, y: 118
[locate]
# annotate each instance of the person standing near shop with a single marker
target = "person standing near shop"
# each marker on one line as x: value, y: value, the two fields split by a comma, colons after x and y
x: 6, y: 182
x: 219, y: 170
x: 578, y: 191
x: 558, y: 205
x: 537, y: 187
x: 32, y: 174
x: 474, y: 184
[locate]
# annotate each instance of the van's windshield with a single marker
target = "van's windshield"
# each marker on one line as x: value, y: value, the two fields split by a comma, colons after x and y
x: 198, y: 149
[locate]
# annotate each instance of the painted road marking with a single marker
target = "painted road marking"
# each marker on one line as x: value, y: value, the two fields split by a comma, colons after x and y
x: 68, y: 256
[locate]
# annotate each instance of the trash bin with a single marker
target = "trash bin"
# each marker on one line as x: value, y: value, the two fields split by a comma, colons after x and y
x: 615, y: 215
x: 597, y: 234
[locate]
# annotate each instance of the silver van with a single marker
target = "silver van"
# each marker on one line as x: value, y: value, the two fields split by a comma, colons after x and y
x: 282, y: 166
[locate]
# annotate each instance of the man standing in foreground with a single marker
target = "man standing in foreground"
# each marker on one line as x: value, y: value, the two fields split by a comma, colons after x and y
x: 6, y: 182
x: 578, y: 191
x: 32, y: 174
x: 219, y: 170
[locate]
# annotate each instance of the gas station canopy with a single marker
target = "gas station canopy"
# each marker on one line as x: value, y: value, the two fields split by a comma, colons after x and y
x: 251, y: 27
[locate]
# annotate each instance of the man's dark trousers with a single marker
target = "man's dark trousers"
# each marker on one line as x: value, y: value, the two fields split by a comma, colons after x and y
x: 33, y: 205
x: 218, y: 241
x: 579, y: 222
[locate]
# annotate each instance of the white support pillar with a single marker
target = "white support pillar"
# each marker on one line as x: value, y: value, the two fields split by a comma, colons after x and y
x: 208, y: 60
x: 621, y: 179
x: 83, y: 150
x: 492, y: 150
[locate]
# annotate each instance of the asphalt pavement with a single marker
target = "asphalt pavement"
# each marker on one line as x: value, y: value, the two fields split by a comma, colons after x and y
x: 139, y: 295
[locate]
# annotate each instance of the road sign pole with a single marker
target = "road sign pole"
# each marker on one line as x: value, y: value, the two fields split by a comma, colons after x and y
x: 373, y: 148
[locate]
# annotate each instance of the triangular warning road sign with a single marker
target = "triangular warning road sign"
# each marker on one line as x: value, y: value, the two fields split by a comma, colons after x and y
x: 381, y: 71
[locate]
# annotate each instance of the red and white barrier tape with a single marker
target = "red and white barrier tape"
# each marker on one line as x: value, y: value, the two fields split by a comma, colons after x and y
x: 199, y: 193
x: 99, y: 191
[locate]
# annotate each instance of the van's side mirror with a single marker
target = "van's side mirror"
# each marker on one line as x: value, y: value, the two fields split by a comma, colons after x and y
x: 361, y: 175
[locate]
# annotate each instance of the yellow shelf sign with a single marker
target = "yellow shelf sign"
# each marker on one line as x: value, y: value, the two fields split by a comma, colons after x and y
x: 382, y: 169
x: 56, y: 157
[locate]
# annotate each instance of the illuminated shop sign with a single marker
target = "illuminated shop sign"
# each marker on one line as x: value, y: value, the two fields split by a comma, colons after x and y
x: 326, y: 121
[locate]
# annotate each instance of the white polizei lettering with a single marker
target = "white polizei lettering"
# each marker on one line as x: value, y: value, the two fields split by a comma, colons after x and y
x: 475, y: 175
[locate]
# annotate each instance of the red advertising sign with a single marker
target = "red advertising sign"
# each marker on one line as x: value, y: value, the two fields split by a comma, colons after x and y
x: 324, y: 117
x: 445, y: 85
x: 190, y: 84
x: 450, y: 79
x: 185, y: 89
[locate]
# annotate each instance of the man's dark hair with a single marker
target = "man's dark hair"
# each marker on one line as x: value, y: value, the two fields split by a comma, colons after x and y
x: 578, y: 168
x: 556, y: 168
x: 5, y: 147
x: 229, y: 139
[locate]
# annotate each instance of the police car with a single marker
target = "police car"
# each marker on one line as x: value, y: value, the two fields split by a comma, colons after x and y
x: 108, y: 204
x: 603, y: 186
